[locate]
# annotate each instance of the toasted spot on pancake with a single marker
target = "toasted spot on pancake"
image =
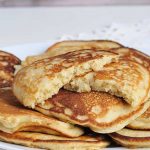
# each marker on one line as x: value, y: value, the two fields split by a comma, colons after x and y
x: 102, y: 112
x: 96, y: 109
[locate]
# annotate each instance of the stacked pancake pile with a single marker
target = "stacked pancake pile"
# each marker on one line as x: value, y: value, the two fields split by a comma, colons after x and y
x: 76, y: 94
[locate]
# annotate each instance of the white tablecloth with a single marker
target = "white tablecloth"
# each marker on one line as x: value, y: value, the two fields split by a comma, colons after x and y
x: 28, y: 25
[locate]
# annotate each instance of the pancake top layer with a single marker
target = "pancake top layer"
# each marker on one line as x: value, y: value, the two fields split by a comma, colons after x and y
x: 42, y: 79
x: 73, y: 45
x: 102, y: 112
x: 13, y: 117
x: 124, y: 78
x: 7, y: 63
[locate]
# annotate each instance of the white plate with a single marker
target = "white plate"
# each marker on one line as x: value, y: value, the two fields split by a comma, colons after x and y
x: 23, y: 51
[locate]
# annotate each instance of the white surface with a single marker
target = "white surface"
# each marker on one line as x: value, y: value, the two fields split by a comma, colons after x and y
x: 28, y: 25
x: 8, y: 146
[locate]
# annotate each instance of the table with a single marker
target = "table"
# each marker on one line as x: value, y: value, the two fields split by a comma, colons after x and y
x: 40, y: 24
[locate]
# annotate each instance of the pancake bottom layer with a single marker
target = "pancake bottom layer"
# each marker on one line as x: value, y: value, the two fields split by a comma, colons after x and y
x: 142, y: 122
x: 38, y: 140
x: 132, y: 138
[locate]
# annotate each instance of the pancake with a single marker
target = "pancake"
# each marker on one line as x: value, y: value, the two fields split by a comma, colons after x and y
x: 73, y: 45
x: 41, y: 80
x: 101, y: 112
x: 142, y: 122
x: 37, y: 140
x: 133, y: 55
x: 14, y: 117
x: 132, y: 138
x: 124, y: 78
x: 7, y: 63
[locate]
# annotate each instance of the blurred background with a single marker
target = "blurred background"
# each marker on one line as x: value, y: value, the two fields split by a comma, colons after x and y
x: 35, y: 21
x: 27, y: 3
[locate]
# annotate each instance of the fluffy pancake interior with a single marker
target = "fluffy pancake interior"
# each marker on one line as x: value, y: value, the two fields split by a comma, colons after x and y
x: 14, y: 117
x: 125, y: 79
x: 102, y: 112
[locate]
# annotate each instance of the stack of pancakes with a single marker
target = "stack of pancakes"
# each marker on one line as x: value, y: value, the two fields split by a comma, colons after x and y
x: 56, y: 96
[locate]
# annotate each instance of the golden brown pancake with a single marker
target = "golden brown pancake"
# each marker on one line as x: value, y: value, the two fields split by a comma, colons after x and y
x: 73, y: 45
x: 124, y: 78
x: 14, y: 117
x: 133, y: 55
x: 132, y: 138
x: 38, y: 140
x: 142, y: 122
x: 101, y: 112
x: 68, y: 46
x: 41, y: 80
x: 7, y: 63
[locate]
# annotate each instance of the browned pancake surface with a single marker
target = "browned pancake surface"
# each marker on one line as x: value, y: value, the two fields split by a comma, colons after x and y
x: 134, y: 55
x: 100, y: 111
x: 7, y: 63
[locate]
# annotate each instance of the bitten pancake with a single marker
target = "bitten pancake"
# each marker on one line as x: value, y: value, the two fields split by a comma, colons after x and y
x: 124, y: 78
x: 14, y: 117
x: 86, y: 142
x: 134, y: 55
x: 7, y: 63
x: 41, y: 80
x: 69, y: 46
x: 132, y: 138
x: 142, y: 122
x: 101, y: 112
